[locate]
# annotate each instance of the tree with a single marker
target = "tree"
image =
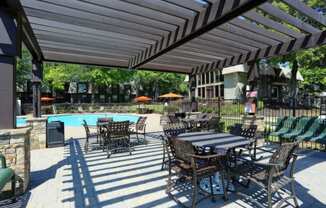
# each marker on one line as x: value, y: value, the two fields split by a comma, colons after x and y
x: 310, y: 62
x: 155, y: 83
x: 23, y: 68
x: 105, y: 77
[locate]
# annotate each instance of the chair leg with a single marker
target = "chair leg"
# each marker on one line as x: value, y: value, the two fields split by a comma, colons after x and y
x: 13, y: 188
x: 211, y: 186
x: 163, y: 159
x: 293, y: 194
x: 194, y: 191
x: 269, y: 195
x: 169, y: 183
x: 225, y: 188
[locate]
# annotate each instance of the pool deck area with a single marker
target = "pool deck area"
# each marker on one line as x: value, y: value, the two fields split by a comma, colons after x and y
x: 67, y: 177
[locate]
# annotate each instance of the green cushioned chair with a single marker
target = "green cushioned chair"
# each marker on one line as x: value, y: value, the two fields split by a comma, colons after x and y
x: 321, y: 137
x: 7, y: 175
x: 287, y: 126
x: 279, y: 123
x: 312, y: 131
x: 300, y: 128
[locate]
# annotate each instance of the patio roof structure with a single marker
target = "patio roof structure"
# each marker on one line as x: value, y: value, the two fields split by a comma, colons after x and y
x: 186, y: 36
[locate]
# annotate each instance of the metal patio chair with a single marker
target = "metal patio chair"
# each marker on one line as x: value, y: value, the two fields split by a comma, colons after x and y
x: 117, y: 137
x: 140, y: 128
x: 189, y: 166
x: 271, y: 176
x: 89, y: 135
x: 171, y: 130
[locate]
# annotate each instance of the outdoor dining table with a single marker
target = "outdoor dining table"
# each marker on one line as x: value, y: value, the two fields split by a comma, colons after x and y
x: 220, y: 143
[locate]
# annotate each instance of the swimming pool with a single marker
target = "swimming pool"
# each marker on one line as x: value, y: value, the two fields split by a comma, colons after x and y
x: 77, y: 119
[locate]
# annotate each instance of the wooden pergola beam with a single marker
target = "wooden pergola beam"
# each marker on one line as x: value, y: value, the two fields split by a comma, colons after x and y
x: 230, y: 10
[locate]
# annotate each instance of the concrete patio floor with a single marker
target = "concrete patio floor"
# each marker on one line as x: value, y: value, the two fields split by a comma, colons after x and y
x: 67, y: 177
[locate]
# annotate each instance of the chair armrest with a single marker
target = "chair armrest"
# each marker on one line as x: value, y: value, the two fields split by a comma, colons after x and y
x: 204, y: 156
x: 3, y: 161
x: 267, y: 164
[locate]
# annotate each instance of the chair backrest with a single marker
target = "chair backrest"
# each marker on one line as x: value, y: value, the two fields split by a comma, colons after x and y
x: 140, y: 125
x: 303, y: 123
x: 283, y: 156
x: 236, y: 129
x: 173, y: 119
x: 280, y: 123
x: 202, y: 115
x: 290, y: 122
x: 213, y: 122
x: 104, y: 120
x: 172, y: 130
x: 118, y: 129
x: 182, y: 149
x: 315, y: 126
x: 248, y: 132
x: 86, y: 129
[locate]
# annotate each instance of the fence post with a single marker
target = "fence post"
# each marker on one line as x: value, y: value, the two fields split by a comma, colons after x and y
x: 294, y: 103
x: 219, y: 106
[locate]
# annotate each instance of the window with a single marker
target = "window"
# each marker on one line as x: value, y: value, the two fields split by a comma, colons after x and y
x: 207, y: 77
x: 274, y: 92
x: 199, y: 92
x: 222, y: 90
x: 217, y: 89
x: 217, y: 76
x: 202, y: 78
x: 212, y: 77
x: 221, y: 78
x: 203, y: 92
x: 198, y: 80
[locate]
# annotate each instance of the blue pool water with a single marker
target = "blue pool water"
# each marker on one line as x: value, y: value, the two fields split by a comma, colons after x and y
x: 77, y: 119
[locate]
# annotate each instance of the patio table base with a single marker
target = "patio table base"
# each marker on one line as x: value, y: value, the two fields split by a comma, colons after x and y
x: 217, y: 185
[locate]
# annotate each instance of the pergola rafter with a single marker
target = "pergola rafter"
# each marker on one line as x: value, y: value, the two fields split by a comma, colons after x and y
x: 191, y: 35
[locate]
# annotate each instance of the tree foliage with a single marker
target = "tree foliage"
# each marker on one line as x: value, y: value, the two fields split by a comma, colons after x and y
x: 23, y: 68
x: 311, y: 62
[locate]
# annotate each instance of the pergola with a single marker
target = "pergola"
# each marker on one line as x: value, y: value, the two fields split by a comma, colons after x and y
x: 186, y: 36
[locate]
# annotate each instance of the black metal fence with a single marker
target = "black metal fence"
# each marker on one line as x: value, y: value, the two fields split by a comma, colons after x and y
x: 232, y: 111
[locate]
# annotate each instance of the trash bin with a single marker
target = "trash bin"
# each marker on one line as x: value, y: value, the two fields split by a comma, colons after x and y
x: 55, y: 134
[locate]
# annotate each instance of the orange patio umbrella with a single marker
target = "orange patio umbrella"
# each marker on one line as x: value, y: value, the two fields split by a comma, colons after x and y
x: 142, y: 99
x: 46, y: 99
x: 171, y: 96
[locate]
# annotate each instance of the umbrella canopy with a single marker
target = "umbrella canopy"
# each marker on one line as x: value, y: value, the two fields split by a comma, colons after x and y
x: 46, y: 99
x: 143, y: 99
x: 171, y: 96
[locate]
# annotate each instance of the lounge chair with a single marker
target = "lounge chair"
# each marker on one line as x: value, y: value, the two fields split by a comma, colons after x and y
x: 300, y: 128
x: 7, y: 175
x: 80, y: 109
x: 91, y: 109
x: 279, y: 123
x: 312, y: 131
x: 287, y: 126
x: 321, y: 137
x: 101, y: 109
